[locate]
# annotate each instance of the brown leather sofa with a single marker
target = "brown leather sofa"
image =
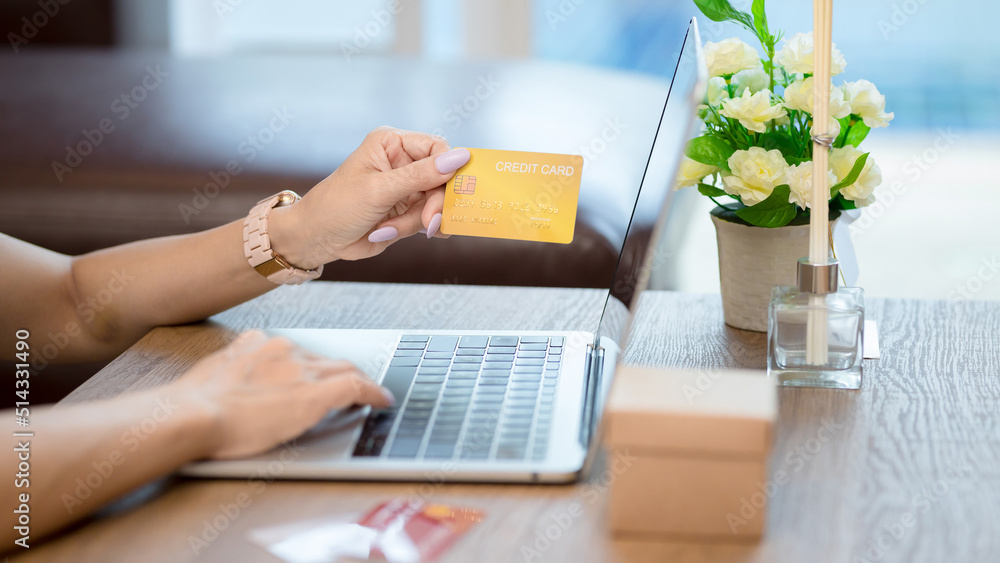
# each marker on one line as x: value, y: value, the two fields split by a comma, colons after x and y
x: 100, y: 147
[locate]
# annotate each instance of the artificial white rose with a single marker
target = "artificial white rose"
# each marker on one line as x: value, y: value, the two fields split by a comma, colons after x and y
x: 796, y: 55
x: 716, y: 91
x: 754, y: 79
x: 730, y: 56
x: 860, y: 192
x: 799, y: 95
x: 867, y: 102
x: 755, y: 173
x: 753, y: 110
x: 692, y: 172
x: 799, y: 179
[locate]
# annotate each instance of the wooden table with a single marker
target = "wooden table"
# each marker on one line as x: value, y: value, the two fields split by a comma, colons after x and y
x: 906, y: 469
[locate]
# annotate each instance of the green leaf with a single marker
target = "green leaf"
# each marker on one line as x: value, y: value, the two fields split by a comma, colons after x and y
x: 852, y: 176
x: 711, y: 191
x: 793, y: 160
x: 722, y: 10
x: 760, y: 24
x: 775, y: 211
x: 772, y: 140
x: 840, y: 202
x: 845, y: 124
x: 711, y: 150
x: 857, y: 133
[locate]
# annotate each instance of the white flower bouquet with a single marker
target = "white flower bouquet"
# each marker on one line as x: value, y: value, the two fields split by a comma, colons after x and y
x: 756, y: 145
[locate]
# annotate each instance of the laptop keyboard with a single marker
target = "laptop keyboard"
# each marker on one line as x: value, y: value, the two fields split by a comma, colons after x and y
x: 469, y: 397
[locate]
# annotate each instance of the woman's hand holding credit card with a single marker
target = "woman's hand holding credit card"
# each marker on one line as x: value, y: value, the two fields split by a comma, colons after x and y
x: 514, y: 195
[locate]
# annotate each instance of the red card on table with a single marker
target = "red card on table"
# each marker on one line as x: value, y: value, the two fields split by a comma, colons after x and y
x: 411, y: 530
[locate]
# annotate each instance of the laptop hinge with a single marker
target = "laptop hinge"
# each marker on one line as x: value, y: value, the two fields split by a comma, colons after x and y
x: 595, y: 362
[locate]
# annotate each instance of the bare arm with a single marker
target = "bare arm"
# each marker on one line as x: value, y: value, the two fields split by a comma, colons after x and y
x: 94, y: 306
x: 240, y: 401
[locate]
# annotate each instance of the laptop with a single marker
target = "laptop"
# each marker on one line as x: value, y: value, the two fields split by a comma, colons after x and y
x: 490, y: 406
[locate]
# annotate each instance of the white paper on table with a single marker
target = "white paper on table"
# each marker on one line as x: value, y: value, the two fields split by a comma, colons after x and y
x: 869, y: 347
x: 843, y: 246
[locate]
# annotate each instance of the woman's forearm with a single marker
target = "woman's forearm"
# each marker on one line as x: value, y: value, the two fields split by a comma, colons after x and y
x: 81, y: 457
x: 124, y: 291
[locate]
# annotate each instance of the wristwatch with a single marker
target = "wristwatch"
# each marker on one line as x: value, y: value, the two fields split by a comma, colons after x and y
x: 257, y: 243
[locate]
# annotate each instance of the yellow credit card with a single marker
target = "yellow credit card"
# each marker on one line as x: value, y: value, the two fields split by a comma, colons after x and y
x: 514, y: 195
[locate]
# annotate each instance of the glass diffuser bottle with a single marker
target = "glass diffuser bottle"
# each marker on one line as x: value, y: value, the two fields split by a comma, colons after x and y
x: 815, y: 330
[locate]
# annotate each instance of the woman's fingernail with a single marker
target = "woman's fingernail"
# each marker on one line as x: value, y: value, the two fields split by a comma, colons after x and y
x: 388, y: 396
x: 422, y: 231
x: 452, y: 160
x: 434, y: 225
x: 383, y: 234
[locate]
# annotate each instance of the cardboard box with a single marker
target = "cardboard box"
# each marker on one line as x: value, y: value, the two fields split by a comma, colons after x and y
x: 700, y: 441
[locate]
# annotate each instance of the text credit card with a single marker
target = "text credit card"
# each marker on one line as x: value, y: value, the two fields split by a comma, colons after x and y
x: 514, y: 195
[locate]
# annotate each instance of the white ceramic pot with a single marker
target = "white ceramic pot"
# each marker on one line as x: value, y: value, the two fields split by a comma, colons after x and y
x: 752, y: 260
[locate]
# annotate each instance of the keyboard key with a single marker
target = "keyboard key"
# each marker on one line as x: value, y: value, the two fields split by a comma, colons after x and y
x: 528, y: 369
x: 439, y: 451
x: 510, y: 424
x: 401, y: 353
x: 458, y: 391
x: 430, y: 379
x: 397, y: 380
x: 548, y: 391
x: 532, y: 347
x: 555, y: 351
x: 551, y: 373
x: 458, y: 375
x: 530, y: 354
x: 501, y: 350
x: 432, y: 363
x: 446, y: 428
x: 437, y: 355
x: 404, y: 361
x: 468, y: 359
x: 557, y: 341
x: 499, y: 357
x: 465, y: 367
x: 526, y: 377
x: 493, y: 381
x: 432, y: 371
x: 454, y: 383
x: 488, y: 397
x: 522, y: 393
x: 510, y: 452
x: 406, y: 447
x: 515, y: 401
x: 496, y: 373
x: 503, y: 341
x: 413, y: 338
x: 550, y: 382
x: 498, y: 365
x: 442, y: 344
x: 421, y: 402
x: 489, y: 390
x: 473, y: 342
x: 410, y: 346
x: 536, y: 362
x: 471, y: 351
x: 534, y: 339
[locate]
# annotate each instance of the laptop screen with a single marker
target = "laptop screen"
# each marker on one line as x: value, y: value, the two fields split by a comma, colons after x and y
x: 641, y: 255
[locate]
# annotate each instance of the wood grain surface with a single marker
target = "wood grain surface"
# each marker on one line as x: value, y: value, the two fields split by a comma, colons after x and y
x: 906, y: 469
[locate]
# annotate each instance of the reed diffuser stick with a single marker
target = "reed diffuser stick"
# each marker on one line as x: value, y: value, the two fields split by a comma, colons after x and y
x: 816, y: 329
